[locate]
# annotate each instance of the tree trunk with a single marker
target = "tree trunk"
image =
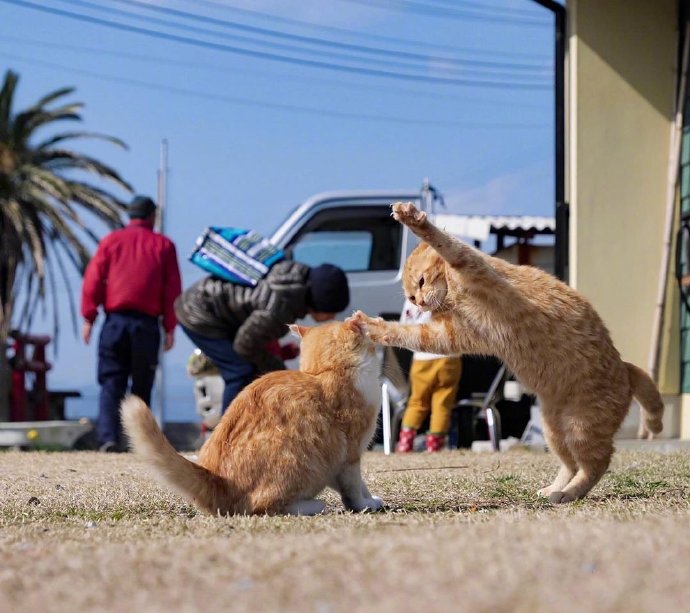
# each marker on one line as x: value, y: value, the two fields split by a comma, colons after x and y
x: 8, y: 273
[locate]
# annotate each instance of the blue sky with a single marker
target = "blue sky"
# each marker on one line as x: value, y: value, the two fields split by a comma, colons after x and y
x: 252, y: 137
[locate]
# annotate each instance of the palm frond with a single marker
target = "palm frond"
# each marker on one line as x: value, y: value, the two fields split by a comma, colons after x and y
x: 105, y: 207
x: 66, y: 234
x: 63, y: 159
x: 54, y: 301
x: 58, y: 138
x: 42, y: 230
x: 57, y: 245
x: 26, y: 123
x: 6, y: 97
x: 65, y: 192
x: 33, y: 237
x: 13, y: 214
x: 44, y: 181
x: 52, y: 96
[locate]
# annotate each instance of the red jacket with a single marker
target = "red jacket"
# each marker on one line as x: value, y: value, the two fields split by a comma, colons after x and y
x: 133, y: 269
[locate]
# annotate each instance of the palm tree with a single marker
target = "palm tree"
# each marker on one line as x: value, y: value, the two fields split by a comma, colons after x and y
x: 42, y: 199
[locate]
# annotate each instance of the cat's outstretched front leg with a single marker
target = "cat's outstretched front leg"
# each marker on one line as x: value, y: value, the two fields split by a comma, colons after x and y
x: 452, y: 250
x: 353, y: 492
x: 443, y: 335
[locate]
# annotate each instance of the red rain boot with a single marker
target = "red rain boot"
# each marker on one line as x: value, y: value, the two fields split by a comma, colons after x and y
x: 435, y: 442
x: 406, y: 440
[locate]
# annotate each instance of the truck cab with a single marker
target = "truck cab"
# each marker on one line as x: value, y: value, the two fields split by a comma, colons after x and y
x: 355, y: 231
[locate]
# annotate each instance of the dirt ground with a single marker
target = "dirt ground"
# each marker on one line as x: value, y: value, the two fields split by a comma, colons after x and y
x: 463, y: 532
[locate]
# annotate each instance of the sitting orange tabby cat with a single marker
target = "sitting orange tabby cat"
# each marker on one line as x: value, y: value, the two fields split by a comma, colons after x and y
x: 546, y: 333
x: 285, y: 437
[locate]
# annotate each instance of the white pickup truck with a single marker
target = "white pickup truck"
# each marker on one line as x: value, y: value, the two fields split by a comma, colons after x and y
x: 355, y: 231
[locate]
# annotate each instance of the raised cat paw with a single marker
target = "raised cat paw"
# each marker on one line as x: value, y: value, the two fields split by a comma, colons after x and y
x: 361, y: 317
x: 406, y: 213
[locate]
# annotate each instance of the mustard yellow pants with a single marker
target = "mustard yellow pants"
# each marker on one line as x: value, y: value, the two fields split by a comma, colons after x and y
x: 433, y: 385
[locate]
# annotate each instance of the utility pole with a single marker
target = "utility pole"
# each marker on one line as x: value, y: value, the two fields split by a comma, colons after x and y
x: 159, y: 409
x: 562, y: 210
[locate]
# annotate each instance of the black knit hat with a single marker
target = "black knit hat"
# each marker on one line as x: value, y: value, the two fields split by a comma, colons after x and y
x: 141, y: 207
x: 328, y: 289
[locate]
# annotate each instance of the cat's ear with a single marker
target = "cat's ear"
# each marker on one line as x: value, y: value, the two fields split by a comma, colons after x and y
x: 297, y: 330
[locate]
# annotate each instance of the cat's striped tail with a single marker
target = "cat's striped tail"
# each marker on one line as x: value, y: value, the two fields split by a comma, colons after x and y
x: 208, y: 491
x: 647, y: 394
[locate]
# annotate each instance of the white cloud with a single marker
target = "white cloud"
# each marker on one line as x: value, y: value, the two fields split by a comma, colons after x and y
x: 526, y: 191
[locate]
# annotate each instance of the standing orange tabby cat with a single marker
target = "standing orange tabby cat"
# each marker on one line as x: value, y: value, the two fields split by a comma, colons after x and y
x: 286, y: 436
x: 546, y: 333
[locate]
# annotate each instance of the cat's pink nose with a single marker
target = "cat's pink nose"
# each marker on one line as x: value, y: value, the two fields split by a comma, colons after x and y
x: 421, y: 302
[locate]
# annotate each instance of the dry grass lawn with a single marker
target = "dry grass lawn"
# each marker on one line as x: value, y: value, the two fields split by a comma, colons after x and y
x: 461, y: 532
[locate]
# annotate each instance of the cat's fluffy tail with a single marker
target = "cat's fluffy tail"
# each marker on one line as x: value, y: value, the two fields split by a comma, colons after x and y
x: 648, y: 396
x: 195, y: 483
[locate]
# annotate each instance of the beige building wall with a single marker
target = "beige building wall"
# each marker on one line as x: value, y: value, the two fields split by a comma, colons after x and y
x: 622, y: 70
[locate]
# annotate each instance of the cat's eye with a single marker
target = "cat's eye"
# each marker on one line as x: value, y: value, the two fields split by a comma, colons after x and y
x: 413, y: 300
x: 421, y: 282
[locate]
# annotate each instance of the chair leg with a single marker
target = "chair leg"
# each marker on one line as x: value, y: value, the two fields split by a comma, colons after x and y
x: 493, y: 421
x: 386, y: 419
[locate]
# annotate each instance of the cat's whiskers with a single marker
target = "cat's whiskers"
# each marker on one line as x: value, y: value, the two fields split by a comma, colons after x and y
x: 433, y: 300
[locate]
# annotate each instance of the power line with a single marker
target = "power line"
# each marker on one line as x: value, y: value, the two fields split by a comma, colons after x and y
x: 252, y: 103
x: 369, y: 35
x: 279, y: 58
x: 236, y: 38
x: 466, y: 72
x: 310, y: 40
x: 141, y: 57
x: 471, y: 4
x: 409, y: 6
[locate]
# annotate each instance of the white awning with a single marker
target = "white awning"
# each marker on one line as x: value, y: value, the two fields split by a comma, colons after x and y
x: 479, y: 227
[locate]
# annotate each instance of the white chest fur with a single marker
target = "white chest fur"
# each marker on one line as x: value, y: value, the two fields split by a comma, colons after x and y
x: 368, y: 382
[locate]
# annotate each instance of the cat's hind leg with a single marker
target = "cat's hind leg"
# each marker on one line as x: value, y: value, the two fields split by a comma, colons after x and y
x: 305, y: 507
x: 555, y: 438
x: 592, y: 448
x: 353, y: 490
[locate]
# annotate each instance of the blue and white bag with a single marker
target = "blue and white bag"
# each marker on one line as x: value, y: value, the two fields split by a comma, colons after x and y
x: 240, y: 256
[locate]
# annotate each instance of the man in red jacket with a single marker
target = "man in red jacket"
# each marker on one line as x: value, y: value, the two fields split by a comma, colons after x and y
x: 135, y: 277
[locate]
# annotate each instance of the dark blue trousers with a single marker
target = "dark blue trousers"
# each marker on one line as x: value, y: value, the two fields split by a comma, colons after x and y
x: 127, y: 349
x: 236, y: 372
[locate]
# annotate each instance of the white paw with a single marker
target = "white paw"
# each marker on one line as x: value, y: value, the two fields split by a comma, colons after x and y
x: 561, y: 497
x: 373, y: 504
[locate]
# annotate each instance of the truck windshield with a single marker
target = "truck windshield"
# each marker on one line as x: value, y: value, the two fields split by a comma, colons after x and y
x: 351, y: 251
